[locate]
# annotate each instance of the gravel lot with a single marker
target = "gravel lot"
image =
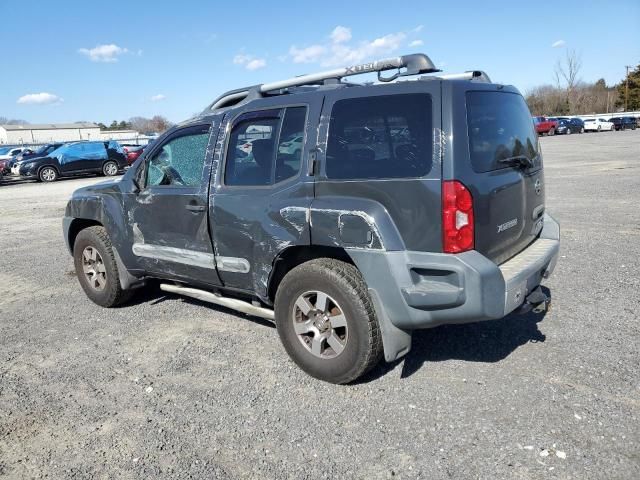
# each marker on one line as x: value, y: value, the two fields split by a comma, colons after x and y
x: 172, y: 388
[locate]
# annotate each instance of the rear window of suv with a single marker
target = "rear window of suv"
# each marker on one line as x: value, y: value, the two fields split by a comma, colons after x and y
x: 500, y: 126
x: 379, y: 137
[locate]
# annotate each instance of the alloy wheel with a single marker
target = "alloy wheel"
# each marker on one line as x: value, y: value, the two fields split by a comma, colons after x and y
x: 110, y: 169
x: 320, y: 324
x: 48, y: 175
x: 94, y: 268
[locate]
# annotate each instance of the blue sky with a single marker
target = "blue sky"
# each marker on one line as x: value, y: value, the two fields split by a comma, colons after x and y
x: 66, y: 61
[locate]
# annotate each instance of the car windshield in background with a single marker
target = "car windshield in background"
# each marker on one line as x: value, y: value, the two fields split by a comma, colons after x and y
x: 4, y: 150
x: 589, y: 119
x: 499, y: 128
x: 42, y: 149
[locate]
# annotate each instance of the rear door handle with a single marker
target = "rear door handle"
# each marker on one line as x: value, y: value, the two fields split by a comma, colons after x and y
x: 196, y: 208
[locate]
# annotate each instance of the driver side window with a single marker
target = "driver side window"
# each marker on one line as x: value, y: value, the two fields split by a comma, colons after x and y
x: 180, y: 160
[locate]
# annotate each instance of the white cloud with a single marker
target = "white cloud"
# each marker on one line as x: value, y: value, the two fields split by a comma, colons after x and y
x: 340, y: 34
x: 342, y: 54
x: 104, y: 53
x: 416, y: 43
x: 256, y: 63
x: 42, y: 98
x: 417, y: 29
x: 249, y: 61
x: 558, y: 44
x: 309, y: 54
x: 158, y: 97
x: 342, y: 51
x: 241, y: 59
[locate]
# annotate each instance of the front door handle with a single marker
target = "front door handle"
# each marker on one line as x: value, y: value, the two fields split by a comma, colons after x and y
x: 196, y: 208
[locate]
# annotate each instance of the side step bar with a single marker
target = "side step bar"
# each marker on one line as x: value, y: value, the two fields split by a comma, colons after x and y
x: 232, y: 303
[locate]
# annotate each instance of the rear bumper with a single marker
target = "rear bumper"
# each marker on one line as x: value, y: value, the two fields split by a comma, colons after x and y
x: 414, y: 290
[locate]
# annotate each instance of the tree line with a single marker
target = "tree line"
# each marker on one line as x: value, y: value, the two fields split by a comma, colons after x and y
x: 155, y: 124
x: 569, y: 95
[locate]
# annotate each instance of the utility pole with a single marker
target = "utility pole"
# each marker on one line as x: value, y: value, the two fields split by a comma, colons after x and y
x: 626, y: 90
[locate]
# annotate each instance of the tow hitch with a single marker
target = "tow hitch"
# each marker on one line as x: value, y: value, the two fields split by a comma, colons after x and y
x: 537, y: 302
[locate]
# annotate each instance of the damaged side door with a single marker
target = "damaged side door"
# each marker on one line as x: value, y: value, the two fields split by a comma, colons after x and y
x: 262, y: 195
x: 169, y: 215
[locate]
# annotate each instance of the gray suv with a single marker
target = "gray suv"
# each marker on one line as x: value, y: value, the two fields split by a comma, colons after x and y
x: 350, y: 214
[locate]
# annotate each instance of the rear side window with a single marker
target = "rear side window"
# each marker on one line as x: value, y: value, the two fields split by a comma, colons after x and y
x: 94, y: 151
x: 500, y: 127
x: 380, y: 137
x: 265, y: 147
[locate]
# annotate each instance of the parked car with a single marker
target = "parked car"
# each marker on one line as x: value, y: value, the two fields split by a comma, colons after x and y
x: 133, y: 153
x: 569, y: 125
x: 291, y: 145
x: 623, y: 123
x: 7, y: 153
x: 41, y: 151
x: 106, y: 158
x: 348, y: 248
x: 597, y: 125
x: 545, y: 126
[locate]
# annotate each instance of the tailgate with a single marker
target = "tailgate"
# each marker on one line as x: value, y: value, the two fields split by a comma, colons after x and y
x: 502, y: 167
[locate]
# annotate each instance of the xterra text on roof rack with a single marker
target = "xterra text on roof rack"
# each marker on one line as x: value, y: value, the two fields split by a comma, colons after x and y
x: 351, y: 214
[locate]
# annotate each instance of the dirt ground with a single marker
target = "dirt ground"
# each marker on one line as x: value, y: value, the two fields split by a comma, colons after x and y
x: 167, y: 387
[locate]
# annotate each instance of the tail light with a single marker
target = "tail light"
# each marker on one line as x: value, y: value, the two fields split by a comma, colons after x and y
x: 457, y: 217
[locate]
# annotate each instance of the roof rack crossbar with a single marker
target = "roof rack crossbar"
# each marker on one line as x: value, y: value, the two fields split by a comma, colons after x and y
x: 477, y: 75
x: 413, y: 64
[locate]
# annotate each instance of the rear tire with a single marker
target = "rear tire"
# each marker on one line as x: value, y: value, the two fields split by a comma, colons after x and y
x: 551, y: 132
x: 582, y: 130
x: 569, y: 131
x: 48, y: 174
x: 110, y: 168
x: 96, y: 268
x: 326, y: 321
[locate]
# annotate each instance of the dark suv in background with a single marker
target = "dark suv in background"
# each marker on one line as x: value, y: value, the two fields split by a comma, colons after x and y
x: 106, y: 158
x: 623, y: 123
x: 569, y: 125
x: 402, y: 206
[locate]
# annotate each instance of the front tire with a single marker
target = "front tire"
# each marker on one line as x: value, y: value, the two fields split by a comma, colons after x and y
x: 48, y: 174
x: 551, y: 132
x: 96, y: 268
x: 109, y: 169
x: 326, y: 321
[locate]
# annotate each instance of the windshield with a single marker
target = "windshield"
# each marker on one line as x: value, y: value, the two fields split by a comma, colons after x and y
x: 4, y: 150
x: 42, y: 149
x: 499, y: 127
x: 589, y: 119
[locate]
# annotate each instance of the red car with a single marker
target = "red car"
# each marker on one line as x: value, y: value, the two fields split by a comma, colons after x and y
x: 4, y: 167
x: 545, y: 125
x: 133, y: 153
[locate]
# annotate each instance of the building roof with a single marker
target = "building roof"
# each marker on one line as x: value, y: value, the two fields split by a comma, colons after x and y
x: 106, y: 132
x: 50, y: 126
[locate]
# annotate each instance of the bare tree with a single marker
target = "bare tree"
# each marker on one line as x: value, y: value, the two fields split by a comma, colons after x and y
x: 568, y: 70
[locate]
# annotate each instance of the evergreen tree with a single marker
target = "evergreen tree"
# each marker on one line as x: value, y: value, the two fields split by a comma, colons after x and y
x: 634, y: 90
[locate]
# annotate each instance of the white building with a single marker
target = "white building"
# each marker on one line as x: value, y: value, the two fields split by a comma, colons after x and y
x: 50, y: 132
x: 130, y: 135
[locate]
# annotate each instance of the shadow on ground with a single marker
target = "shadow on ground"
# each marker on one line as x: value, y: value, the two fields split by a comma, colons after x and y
x: 487, y: 342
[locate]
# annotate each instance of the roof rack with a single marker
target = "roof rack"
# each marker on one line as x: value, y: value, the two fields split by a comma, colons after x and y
x: 413, y: 64
x: 477, y: 75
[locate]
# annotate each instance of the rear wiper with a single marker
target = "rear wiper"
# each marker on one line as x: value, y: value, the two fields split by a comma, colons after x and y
x: 521, y: 161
